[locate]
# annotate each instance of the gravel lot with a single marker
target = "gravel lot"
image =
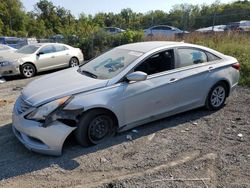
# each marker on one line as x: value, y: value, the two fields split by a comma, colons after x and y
x: 195, y: 149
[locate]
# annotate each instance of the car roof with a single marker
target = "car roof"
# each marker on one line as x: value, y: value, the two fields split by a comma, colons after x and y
x: 47, y: 43
x: 148, y: 46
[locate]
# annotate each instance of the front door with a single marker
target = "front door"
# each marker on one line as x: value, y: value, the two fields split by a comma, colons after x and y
x: 150, y: 99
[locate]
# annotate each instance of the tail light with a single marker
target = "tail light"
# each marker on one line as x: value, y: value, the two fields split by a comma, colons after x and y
x: 236, y: 66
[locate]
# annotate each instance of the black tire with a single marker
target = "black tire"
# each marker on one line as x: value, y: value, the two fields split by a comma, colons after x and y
x: 217, y: 96
x: 28, y: 70
x: 73, y: 62
x: 88, y: 128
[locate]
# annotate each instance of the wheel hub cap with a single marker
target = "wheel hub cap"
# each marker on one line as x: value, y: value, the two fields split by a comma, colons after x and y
x: 28, y: 71
x: 218, y: 96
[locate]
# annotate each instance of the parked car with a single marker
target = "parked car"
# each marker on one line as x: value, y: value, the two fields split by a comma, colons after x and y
x: 216, y: 28
x: 123, y: 88
x: 4, y: 48
x: 13, y: 42
x: 163, y: 30
x: 30, y: 40
x: 57, y: 38
x: 39, y: 57
x: 239, y: 26
x: 113, y: 30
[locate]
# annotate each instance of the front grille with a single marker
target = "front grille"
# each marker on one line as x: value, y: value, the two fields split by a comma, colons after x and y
x: 22, y: 106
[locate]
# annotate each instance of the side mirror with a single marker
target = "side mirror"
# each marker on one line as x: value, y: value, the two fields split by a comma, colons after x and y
x: 137, y: 76
x: 39, y: 53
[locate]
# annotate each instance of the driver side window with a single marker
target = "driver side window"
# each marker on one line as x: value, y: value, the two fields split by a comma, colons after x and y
x: 159, y: 62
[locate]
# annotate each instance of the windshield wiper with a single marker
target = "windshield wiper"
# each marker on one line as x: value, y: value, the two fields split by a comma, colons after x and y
x: 90, y: 74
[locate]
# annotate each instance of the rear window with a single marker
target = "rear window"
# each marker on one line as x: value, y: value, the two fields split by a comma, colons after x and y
x: 190, y: 56
x: 59, y: 48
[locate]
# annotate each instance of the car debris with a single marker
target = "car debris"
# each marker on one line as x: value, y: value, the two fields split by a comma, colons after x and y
x: 240, y: 135
x: 103, y: 160
x: 2, y: 80
x: 150, y: 137
x: 135, y: 131
x: 129, y: 137
x: 193, y: 123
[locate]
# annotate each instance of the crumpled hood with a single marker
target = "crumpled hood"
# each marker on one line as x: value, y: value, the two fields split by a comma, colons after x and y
x: 59, y: 84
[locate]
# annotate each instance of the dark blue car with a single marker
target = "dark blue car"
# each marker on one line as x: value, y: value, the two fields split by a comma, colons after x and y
x: 13, y: 42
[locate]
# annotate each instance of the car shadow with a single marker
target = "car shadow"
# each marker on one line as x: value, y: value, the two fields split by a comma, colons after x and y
x: 16, y: 160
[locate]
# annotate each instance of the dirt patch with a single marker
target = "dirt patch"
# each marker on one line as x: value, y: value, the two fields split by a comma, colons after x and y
x: 6, y: 102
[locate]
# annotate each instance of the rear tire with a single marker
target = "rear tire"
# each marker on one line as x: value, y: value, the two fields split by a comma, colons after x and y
x: 73, y: 62
x: 28, y: 70
x: 217, y: 96
x: 94, y: 127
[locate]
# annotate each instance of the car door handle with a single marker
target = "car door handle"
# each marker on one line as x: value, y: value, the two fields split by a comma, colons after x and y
x: 67, y: 54
x: 210, y: 69
x: 173, y: 80
x: 52, y: 56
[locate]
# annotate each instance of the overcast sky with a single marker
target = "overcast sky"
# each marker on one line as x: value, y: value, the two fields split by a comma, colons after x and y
x: 94, y: 6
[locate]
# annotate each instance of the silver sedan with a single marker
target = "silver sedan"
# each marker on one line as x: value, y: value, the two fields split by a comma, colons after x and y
x: 35, y: 58
x: 123, y: 88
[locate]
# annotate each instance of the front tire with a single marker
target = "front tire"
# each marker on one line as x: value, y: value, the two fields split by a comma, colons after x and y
x: 217, y: 96
x: 94, y: 127
x: 28, y: 70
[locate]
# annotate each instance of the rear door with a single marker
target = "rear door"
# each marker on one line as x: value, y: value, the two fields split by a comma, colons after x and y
x: 194, y: 69
x: 62, y: 55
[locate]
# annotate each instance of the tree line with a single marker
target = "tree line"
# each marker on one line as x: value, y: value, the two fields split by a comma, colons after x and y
x: 47, y: 19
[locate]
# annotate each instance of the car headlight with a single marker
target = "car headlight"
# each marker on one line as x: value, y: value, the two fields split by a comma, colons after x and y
x: 43, y: 111
x: 5, y: 63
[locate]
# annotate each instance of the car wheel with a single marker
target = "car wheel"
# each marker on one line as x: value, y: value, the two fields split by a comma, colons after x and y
x: 217, y: 96
x: 73, y: 62
x: 94, y: 127
x: 28, y: 70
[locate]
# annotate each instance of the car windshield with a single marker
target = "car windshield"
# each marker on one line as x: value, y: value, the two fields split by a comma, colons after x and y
x: 110, y: 64
x: 29, y: 49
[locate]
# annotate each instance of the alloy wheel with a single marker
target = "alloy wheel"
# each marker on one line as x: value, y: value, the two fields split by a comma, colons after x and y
x: 74, y: 62
x: 28, y: 71
x: 218, y: 96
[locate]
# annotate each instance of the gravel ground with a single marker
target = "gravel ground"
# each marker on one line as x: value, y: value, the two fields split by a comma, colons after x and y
x: 195, y: 149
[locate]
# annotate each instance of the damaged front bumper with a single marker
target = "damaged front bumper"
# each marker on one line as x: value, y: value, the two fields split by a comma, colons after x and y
x: 46, y: 140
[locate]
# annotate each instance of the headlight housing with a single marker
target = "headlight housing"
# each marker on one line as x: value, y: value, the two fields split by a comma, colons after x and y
x: 43, y: 111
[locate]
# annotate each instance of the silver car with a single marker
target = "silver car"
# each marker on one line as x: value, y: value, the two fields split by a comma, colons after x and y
x: 163, y: 30
x: 35, y: 58
x: 123, y: 88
